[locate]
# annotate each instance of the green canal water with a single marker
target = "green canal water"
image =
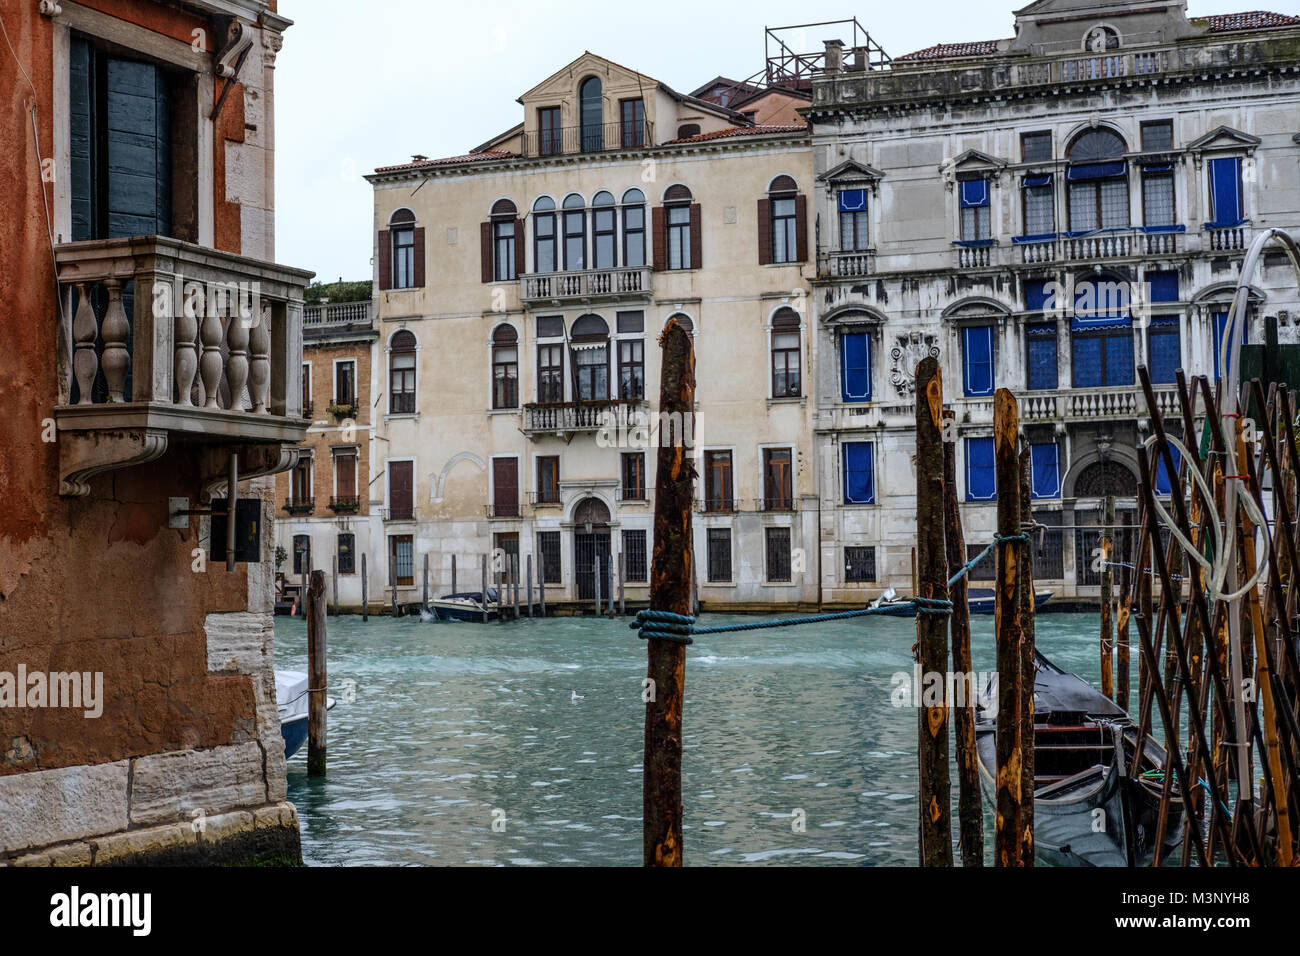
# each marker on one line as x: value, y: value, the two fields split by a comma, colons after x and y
x: 452, y: 722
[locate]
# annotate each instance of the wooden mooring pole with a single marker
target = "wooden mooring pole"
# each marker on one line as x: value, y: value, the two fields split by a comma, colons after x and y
x: 365, y: 593
x: 969, y: 811
x: 1013, y: 841
x: 316, y: 675
x: 484, y: 592
x: 334, y: 583
x: 1122, y: 664
x: 931, y: 628
x: 425, y: 603
x: 1027, y: 668
x: 528, y: 576
x: 670, y: 590
x: 453, y: 575
x: 1107, y: 579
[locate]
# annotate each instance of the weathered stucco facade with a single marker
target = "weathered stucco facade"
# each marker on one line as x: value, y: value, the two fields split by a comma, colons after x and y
x: 117, y: 401
x: 1108, y: 143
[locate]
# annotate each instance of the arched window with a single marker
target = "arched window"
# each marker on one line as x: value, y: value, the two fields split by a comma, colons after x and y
x: 1098, y: 181
x: 575, y: 233
x: 782, y: 218
x: 634, y: 228
x: 591, y: 110
x: 785, y: 354
x: 505, y: 367
x: 544, y: 258
x: 401, y: 263
x: 504, y: 230
x: 589, y: 343
x: 677, y: 230
x: 604, y: 231
x: 684, y: 321
x: 401, y: 373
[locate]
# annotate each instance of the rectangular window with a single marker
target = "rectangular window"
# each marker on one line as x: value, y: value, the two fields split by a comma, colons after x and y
x: 1100, y: 203
x: 507, y: 542
x: 1040, y: 206
x: 548, y: 479
x: 1165, y: 347
x: 505, y: 487
x: 1157, y: 136
x: 301, y: 554
x: 635, y: 567
x: 1102, y: 358
x: 345, y: 475
x: 679, y: 237
x: 1041, y: 357
x: 401, y: 560
x: 778, y: 480
x: 718, y: 495
x: 544, y: 242
x: 1045, y: 471
x: 785, y: 364
x: 855, y: 367
x: 1036, y: 147
x: 550, y: 326
x: 403, y: 258
x: 345, y: 383
x: 505, y: 377
x: 634, y: 235
x: 975, y: 222
x: 631, y: 368
x: 1225, y: 192
x: 634, y: 476
x: 306, y: 390
x: 859, y: 473
x: 503, y: 250
x: 592, y: 370
x: 784, y: 232
x: 853, y: 220
x: 859, y: 565
x: 550, y: 374
x: 402, y: 383
x: 632, y: 122
x: 719, y: 554
x: 977, y: 359
x: 575, y: 240
x: 630, y: 322
x: 300, y: 490
x: 1158, y: 196
x: 401, y: 489
x: 778, y: 553
x: 548, y: 542
x: 347, y: 554
x: 604, y: 238
x: 548, y: 128
x: 981, y: 480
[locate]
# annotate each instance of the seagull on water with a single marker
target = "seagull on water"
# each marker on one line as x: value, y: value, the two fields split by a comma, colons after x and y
x: 575, y: 696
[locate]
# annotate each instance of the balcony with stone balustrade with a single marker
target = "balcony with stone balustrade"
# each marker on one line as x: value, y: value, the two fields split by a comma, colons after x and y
x: 1092, y: 404
x: 627, y: 283
x: 163, y: 342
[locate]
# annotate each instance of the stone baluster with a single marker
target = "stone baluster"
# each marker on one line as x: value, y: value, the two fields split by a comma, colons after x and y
x: 85, y: 363
x: 210, y: 361
x: 237, y: 361
x: 259, y: 372
x: 185, y: 359
x: 114, y: 332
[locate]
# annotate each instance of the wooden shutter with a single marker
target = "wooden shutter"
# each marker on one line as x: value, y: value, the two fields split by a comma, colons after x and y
x: 697, y: 239
x: 505, y: 486
x: 138, y: 137
x: 519, y: 249
x: 346, y: 466
x: 659, y: 227
x: 418, y: 253
x: 764, y: 231
x: 485, y: 249
x: 385, y: 260
x: 801, y: 228
x: 401, y: 498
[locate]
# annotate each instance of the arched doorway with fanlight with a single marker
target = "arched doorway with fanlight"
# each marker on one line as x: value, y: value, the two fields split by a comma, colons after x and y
x: 591, y: 542
x: 1092, y: 485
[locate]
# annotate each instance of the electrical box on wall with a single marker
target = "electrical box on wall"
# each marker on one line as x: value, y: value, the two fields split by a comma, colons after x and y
x: 248, y: 531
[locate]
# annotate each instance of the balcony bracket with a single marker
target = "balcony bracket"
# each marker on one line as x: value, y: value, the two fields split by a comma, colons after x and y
x: 85, y: 454
x: 255, y: 461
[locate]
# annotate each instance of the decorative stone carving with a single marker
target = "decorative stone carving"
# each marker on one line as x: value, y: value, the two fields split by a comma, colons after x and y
x: 910, y: 349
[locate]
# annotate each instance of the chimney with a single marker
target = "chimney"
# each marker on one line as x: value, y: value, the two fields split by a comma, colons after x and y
x: 860, y: 58
x: 834, y: 55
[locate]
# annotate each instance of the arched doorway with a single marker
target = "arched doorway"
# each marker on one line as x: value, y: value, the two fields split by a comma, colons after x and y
x: 591, y: 542
x: 1103, y: 478
x: 1098, y: 480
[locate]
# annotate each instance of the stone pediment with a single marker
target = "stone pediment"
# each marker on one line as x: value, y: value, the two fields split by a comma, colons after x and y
x: 851, y: 171
x: 974, y: 159
x: 1224, y: 137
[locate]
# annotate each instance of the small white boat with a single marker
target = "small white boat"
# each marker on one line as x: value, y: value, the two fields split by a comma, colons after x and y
x: 465, y: 606
x: 291, y: 699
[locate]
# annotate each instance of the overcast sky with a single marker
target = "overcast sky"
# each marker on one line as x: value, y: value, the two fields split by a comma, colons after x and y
x: 360, y: 87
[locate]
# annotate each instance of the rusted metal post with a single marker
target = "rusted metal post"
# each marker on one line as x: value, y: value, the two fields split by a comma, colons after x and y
x: 365, y: 593
x: 316, y: 676
x: 1107, y: 625
x: 1013, y: 843
x: 969, y: 811
x: 932, y: 628
x: 670, y: 590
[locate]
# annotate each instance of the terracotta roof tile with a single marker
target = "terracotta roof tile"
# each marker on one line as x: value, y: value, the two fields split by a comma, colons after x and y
x: 731, y: 131
x: 482, y: 157
x: 953, y: 51
x: 1250, y: 20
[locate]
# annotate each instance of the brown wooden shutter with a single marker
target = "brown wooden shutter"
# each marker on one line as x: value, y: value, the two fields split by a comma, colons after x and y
x: 697, y: 238
x: 346, y: 466
x: 400, y: 491
x: 659, y: 226
x: 764, y: 231
x: 485, y: 247
x: 520, y: 268
x: 385, y: 260
x: 418, y: 253
x: 505, y: 486
x: 801, y: 228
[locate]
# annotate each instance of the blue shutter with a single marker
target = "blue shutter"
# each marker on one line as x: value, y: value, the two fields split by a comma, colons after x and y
x: 1221, y: 322
x: 853, y: 200
x: 1096, y: 171
x: 81, y: 140
x: 1045, y: 471
x: 1039, y: 297
x: 981, y: 479
x: 1164, y: 286
x: 977, y: 349
x: 974, y: 192
x: 855, y: 367
x: 1085, y: 358
x: 139, y: 150
x: 1042, y: 356
x: 859, y: 474
x: 1166, y: 354
x: 1225, y: 192
x: 1163, y: 482
x: 1119, y: 359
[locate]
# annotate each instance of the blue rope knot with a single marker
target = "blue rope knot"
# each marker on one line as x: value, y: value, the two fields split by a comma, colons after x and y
x: 664, y: 626
x: 1023, y: 536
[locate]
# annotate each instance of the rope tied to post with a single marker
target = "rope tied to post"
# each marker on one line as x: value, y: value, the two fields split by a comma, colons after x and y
x: 678, y: 628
